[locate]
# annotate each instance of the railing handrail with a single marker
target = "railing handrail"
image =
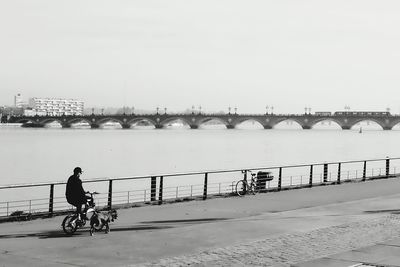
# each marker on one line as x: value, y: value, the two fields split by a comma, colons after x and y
x: 95, y: 180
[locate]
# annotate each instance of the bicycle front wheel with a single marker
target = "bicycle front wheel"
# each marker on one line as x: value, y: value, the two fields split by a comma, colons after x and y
x: 241, y: 188
x: 69, y: 224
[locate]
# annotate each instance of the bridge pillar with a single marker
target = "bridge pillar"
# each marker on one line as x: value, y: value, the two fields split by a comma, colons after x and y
x: 387, y: 128
x: 126, y: 126
x: 66, y: 125
x: 194, y: 126
x: 230, y: 126
x: 306, y: 127
x: 267, y: 127
x: 94, y: 126
x: 346, y: 127
x: 159, y: 126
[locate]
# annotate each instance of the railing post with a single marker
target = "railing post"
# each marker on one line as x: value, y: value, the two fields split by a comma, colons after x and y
x: 387, y: 167
x: 153, y: 188
x: 245, y: 178
x: 364, y: 171
x: 160, y: 193
x: 51, y: 200
x: 280, y: 179
x: 109, y: 204
x: 338, y: 172
x: 311, y: 175
x: 325, y: 172
x: 205, y: 186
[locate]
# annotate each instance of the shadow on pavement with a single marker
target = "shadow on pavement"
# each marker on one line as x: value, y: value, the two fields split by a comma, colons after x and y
x: 396, y: 211
x: 80, y: 232
x: 189, y: 220
x: 85, y: 231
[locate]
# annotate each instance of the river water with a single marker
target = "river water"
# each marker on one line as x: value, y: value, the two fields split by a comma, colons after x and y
x: 42, y: 155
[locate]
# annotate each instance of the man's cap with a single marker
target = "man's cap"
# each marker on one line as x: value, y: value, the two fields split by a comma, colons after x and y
x: 77, y: 170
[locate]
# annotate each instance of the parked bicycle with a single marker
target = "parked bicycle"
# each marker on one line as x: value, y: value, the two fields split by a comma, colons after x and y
x: 257, y: 183
x: 72, y: 222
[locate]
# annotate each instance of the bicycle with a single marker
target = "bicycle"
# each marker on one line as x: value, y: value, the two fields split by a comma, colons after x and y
x: 71, y: 222
x: 243, y: 186
x: 257, y: 183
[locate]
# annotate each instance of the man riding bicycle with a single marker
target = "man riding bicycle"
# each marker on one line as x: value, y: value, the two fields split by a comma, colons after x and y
x: 74, y: 192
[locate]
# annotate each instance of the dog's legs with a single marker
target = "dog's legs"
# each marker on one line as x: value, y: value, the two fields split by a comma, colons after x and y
x: 107, y: 228
x: 91, y: 230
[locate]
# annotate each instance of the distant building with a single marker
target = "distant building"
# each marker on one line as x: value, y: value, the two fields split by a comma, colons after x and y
x: 18, y: 101
x: 55, y: 106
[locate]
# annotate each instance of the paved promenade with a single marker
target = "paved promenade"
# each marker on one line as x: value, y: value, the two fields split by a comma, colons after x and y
x: 356, y: 224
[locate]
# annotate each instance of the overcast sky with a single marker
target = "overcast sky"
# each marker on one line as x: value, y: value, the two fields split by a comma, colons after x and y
x: 179, y: 53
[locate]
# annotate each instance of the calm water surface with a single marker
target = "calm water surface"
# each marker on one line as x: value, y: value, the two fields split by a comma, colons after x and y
x: 41, y: 155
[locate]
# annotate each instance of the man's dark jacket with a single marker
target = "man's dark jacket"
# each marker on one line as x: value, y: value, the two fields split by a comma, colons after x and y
x: 74, y: 192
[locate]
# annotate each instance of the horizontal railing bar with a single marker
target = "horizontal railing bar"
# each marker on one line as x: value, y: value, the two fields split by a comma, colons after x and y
x: 192, y: 173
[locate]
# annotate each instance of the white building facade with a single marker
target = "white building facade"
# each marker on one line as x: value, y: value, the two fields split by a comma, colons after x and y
x: 19, y: 101
x: 55, y: 106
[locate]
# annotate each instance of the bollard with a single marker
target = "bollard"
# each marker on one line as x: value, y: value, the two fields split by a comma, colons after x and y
x: 364, y: 171
x: 338, y: 172
x: 325, y: 173
x: 51, y: 200
x: 280, y: 179
x: 153, y: 188
x: 205, y: 186
x: 311, y: 175
x: 160, y: 192
x: 387, y: 167
x: 109, y: 204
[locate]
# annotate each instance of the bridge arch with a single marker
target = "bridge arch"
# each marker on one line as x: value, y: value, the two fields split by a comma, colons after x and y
x: 375, y: 121
x: 26, y: 120
x: 279, y: 124
x: 205, y: 120
x: 103, y: 121
x: 330, y: 120
x: 241, y: 122
x: 73, y: 122
x: 141, y: 119
x: 165, y: 122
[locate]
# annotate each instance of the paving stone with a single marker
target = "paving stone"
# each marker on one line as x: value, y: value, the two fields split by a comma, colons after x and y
x: 289, y: 249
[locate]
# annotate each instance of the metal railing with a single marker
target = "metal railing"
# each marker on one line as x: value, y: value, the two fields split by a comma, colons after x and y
x: 154, y: 189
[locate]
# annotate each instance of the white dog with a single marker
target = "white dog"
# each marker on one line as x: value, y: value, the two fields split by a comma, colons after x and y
x: 101, y: 219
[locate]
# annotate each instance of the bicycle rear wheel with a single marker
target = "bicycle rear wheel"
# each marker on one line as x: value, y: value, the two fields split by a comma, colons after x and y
x: 69, y: 224
x: 241, y: 188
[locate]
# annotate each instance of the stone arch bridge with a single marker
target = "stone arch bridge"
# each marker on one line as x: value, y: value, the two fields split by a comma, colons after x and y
x: 195, y: 120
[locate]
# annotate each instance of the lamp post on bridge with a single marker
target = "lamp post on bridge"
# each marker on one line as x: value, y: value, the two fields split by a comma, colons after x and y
x: 133, y: 110
x: 199, y: 109
x: 102, y: 111
x: 158, y: 110
x: 92, y: 111
x: 267, y: 108
x: 229, y: 110
x: 235, y: 110
x: 192, y: 109
x: 165, y: 111
x: 272, y: 110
